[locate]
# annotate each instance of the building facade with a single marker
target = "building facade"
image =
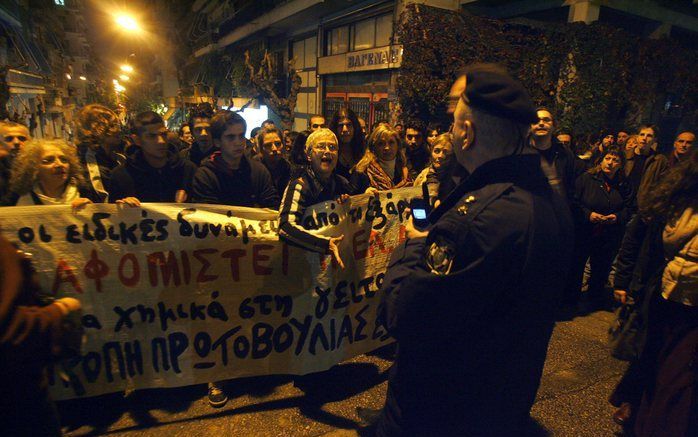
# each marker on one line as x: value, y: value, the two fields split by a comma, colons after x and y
x: 348, y: 53
x: 44, y: 52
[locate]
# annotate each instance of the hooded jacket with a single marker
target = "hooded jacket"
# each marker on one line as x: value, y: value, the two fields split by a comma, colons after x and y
x: 136, y: 178
x: 196, y: 155
x: 250, y: 185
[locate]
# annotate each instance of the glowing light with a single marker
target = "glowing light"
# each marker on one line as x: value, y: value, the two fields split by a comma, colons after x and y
x: 126, y: 68
x: 82, y: 78
x: 127, y: 22
x: 124, y: 77
x: 67, y: 75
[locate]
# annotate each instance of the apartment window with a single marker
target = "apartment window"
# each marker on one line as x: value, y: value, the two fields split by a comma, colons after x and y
x: 384, y: 30
x: 299, y: 54
x: 374, y: 32
x: 305, y: 52
x: 338, y: 40
x: 311, y: 52
x: 364, y: 35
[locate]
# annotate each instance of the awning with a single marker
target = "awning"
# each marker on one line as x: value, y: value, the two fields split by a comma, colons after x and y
x: 22, y: 90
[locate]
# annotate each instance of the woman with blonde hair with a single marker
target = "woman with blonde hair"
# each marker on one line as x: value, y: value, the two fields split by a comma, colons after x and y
x: 436, y: 179
x: 48, y: 172
x: 383, y: 166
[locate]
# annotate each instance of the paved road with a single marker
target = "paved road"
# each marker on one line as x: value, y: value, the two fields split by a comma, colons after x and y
x: 578, y: 377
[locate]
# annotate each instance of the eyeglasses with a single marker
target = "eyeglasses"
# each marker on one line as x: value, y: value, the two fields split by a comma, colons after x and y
x: 9, y: 138
x: 330, y: 147
x: 317, y: 126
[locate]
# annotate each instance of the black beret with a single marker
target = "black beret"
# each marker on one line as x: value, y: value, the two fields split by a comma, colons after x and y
x: 490, y: 88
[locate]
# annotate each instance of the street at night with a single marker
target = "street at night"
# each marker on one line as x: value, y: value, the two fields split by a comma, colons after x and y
x: 579, y: 374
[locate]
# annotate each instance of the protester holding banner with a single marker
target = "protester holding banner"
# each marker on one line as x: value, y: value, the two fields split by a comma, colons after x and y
x: 472, y: 305
x: 153, y: 173
x: 317, y: 183
x: 229, y: 177
x: 48, y: 172
x: 30, y: 337
x: 99, y: 147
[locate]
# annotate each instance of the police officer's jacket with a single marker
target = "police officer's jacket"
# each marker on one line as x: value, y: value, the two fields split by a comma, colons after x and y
x: 472, y: 305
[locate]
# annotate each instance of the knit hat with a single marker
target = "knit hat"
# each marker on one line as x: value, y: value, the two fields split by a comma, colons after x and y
x: 320, y: 135
x: 491, y: 89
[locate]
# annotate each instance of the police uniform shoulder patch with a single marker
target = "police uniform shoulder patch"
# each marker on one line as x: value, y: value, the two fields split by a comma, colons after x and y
x: 440, y: 256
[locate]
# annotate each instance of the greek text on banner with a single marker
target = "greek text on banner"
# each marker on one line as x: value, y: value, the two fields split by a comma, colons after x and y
x: 180, y: 294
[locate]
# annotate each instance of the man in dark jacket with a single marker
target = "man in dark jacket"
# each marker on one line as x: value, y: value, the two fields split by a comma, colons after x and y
x: 472, y: 304
x: 416, y: 149
x: 557, y: 161
x: 269, y: 142
x: 154, y: 173
x: 200, y: 127
x: 642, y: 157
x: 229, y: 177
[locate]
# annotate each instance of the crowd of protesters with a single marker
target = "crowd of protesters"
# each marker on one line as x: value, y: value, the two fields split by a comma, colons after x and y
x: 608, y: 186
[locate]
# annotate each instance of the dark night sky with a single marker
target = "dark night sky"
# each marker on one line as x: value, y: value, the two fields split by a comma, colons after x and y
x: 112, y: 44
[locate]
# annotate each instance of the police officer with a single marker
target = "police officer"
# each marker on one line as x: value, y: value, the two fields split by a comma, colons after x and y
x: 471, y: 303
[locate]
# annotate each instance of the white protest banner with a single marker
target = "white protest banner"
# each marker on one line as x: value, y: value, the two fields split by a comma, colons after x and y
x: 180, y: 294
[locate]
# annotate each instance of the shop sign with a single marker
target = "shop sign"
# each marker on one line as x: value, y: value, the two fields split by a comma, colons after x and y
x: 382, y: 57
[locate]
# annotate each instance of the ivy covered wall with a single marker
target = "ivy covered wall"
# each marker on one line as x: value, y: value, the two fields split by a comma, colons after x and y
x: 592, y: 76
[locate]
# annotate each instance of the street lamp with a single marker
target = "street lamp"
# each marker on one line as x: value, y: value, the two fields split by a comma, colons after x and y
x: 82, y: 78
x: 127, y: 22
x: 124, y: 77
x: 126, y: 68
